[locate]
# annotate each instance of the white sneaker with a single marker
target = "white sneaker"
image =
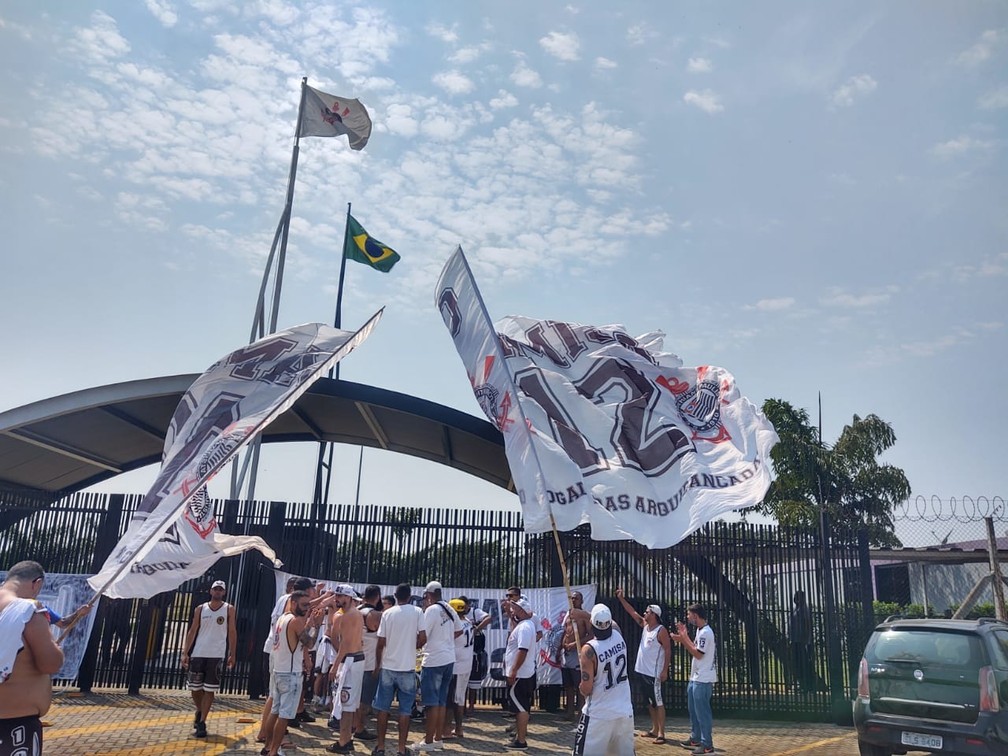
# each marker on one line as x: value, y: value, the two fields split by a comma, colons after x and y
x: 422, y: 747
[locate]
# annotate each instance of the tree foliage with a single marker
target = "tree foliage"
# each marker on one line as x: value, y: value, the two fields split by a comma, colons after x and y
x: 845, y: 479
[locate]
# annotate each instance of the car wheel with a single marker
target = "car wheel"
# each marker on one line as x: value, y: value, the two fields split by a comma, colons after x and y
x: 870, y: 749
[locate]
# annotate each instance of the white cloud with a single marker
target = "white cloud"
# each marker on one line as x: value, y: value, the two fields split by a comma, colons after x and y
x: 839, y: 298
x: 855, y: 87
x: 400, y: 121
x: 775, y: 305
x: 605, y: 64
x: 707, y: 101
x: 444, y: 33
x: 101, y: 41
x: 523, y: 76
x: 504, y: 99
x: 983, y: 49
x: 466, y: 54
x: 163, y: 12
x: 638, y: 34
x: 995, y: 99
x: 454, y: 82
x: 960, y: 146
x: 561, y: 46
x: 699, y: 65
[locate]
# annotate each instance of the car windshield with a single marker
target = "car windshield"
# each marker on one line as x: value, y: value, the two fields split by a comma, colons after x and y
x: 927, y: 647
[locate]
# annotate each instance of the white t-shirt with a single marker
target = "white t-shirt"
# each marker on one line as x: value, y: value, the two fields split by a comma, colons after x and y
x: 650, y: 654
x: 399, y: 627
x: 610, y: 696
x: 440, y: 622
x: 278, y: 610
x: 211, y: 639
x: 523, y: 636
x: 704, y: 669
x: 464, y: 647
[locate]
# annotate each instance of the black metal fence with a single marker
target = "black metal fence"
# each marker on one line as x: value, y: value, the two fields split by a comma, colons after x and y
x: 746, y: 575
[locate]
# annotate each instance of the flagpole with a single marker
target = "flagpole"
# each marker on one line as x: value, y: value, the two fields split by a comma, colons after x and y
x: 287, y: 209
x: 324, y: 465
x: 524, y: 421
x: 258, y: 322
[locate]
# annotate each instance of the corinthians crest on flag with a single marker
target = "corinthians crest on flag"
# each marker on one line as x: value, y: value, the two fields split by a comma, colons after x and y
x: 604, y: 428
x: 173, y: 535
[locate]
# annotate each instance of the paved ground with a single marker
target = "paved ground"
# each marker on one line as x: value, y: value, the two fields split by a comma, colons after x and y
x: 159, y: 723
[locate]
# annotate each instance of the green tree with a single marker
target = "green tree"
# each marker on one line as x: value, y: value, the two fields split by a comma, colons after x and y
x: 845, y: 479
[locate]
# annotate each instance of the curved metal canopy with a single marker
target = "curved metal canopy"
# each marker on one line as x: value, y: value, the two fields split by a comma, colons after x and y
x: 69, y: 442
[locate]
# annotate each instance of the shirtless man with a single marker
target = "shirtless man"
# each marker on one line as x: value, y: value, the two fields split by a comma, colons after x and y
x: 349, y: 663
x: 28, y: 658
x: 578, y: 618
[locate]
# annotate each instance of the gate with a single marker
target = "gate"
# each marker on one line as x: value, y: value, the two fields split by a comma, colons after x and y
x: 746, y: 576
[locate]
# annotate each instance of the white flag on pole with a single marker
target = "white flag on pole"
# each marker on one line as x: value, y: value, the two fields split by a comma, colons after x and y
x: 173, y: 535
x: 327, y: 115
x: 603, y: 428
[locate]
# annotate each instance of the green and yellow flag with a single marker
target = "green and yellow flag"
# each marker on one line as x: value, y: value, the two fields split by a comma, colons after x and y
x: 363, y: 248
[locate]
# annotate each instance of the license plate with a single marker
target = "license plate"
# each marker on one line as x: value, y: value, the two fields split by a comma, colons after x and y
x: 921, y: 740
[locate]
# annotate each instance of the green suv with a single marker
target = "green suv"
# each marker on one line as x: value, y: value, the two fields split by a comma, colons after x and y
x: 934, y: 685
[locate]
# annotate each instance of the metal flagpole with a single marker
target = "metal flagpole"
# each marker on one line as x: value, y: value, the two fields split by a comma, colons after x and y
x: 323, y: 468
x: 250, y: 465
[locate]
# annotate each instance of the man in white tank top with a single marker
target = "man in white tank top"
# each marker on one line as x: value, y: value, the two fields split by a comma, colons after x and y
x: 212, y: 635
x: 606, y: 724
x: 653, y: 657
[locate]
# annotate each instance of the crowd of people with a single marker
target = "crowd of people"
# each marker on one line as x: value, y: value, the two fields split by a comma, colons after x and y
x: 356, y: 655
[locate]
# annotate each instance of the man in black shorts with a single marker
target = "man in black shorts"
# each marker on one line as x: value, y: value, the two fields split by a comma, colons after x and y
x: 520, y: 665
x: 212, y: 634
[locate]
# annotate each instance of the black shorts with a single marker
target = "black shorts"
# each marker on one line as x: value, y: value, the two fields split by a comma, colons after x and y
x: 21, y: 736
x: 571, y: 676
x: 205, y: 674
x: 522, y: 692
x: 647, y: 686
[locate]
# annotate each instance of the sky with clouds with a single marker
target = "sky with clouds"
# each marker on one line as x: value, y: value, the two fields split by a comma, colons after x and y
x: 810, y: 195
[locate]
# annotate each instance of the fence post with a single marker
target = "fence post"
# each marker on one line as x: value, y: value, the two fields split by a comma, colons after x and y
x: 839, y: 709
x: 139, y: 660
x: 105, y: 541
x: 257, y: 684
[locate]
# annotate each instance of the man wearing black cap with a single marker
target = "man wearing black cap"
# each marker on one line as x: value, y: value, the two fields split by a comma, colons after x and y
x: 212, y: 633
x: 606, y: 724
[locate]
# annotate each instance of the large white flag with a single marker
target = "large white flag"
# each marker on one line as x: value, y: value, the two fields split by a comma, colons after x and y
x: 604, y: 428
x: 173, y: 535
x: 327, y: 115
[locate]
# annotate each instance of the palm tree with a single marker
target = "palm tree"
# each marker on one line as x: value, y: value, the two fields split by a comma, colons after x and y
x: 845, y: 479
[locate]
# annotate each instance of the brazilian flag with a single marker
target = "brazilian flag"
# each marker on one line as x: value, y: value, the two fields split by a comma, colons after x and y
x: 363, y: 248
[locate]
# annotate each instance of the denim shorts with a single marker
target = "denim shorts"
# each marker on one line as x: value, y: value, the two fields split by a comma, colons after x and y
x: 435, y: 683
x: 402, y: 684
x: 285, y: 688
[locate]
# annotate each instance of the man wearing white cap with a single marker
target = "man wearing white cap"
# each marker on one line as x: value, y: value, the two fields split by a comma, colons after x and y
x: 519, y: 663
x: 212, y: 633
x: 346, y: 632
x: 440, y: 626
x: 606, y: 724
x: 653, y: 657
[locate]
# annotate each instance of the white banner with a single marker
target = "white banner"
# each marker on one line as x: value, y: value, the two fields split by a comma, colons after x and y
x: 548, y: 604
x: 603, y: 428
x: 64, y: 593
x: 173, y: 535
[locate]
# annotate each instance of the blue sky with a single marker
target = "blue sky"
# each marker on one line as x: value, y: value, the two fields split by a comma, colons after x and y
x: 811, y: 195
